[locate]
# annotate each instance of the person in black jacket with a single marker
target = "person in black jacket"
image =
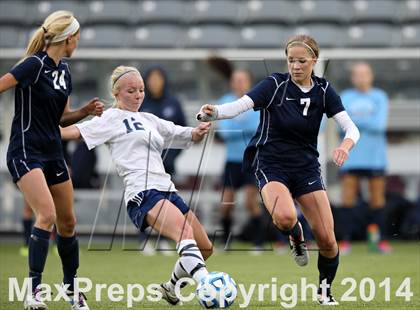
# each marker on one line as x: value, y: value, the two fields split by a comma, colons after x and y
x: 160, y: 102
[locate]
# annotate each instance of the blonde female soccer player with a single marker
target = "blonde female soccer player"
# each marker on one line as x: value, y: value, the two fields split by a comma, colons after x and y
x: 35, y: 157
x: 283, y: 152
x: 136, y: 141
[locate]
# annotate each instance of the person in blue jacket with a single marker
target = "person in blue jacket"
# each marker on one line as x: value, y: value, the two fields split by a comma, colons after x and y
x: 368, y: 108
x: 236, y: 134
x: 160, y: 102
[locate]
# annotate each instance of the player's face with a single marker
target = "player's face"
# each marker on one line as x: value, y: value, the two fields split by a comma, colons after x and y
x: 362, y: 77
x: 72, y: 43
x: 130, y: 94
x: 300, y: 63
x: 240, y: 83
x: 155, y: 83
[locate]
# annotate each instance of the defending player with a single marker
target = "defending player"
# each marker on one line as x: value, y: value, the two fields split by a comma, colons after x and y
x: 136, y: 141
x: 283, y: 152
x: 35, y: 158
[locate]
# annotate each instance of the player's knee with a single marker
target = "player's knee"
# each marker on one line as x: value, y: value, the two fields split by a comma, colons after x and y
x: 284, y: 221
x: 327, y: 242
x: 66, y: 227
x: 46, y: 219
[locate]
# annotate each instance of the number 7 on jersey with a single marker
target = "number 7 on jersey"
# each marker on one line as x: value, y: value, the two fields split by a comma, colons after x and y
x: 307, y: 103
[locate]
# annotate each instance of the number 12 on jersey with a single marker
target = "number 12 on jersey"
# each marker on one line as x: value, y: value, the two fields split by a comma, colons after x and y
x: 307, y: 103
x: 136, y: 125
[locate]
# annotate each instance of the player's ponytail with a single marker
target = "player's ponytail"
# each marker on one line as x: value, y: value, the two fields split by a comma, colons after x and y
x: 55, y: 29
x: 37, y: 42
x: 115, y: 77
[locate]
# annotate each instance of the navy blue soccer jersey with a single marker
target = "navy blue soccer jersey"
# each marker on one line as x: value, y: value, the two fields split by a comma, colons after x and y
x: 290, y: 119
x: 40, y: 98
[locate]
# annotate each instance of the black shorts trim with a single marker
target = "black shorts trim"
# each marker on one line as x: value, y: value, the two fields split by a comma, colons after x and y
x: 365, y: 173
x: 55, y: 171
x: 298, y: 182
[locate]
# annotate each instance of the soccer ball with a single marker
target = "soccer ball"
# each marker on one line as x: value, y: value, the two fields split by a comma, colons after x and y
x: 216, y: 290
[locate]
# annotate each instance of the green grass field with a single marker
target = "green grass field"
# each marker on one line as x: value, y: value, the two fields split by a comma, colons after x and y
x: 130, y: 267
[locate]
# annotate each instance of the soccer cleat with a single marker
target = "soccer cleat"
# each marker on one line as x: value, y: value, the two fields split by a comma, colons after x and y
x: 327, y: 300
x: 299, y: 249
x: 168, y: 294
x: 79, y: 304
x: 32, y: 302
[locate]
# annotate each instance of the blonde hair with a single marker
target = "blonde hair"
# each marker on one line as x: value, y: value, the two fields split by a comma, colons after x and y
x: 115, y: 77
x: 305, y: 40
x: 53, y: 26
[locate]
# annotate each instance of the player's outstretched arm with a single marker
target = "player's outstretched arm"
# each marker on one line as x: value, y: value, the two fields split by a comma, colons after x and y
x: 352, y: 135
x: 200, y: 131
x: 7, y: 81
x: 209, y: 112
x: 70, y: 133
x: 93, y: 107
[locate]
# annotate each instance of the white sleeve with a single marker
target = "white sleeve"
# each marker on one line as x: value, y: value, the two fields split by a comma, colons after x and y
x: 97, y: 131
x: 228, y: 110
x: 347, y: 125
x: 175, y: 137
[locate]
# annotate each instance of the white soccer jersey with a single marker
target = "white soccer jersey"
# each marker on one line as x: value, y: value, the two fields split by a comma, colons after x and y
x: 136, y: 141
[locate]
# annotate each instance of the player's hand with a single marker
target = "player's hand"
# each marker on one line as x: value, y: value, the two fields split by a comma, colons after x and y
x: 340, y: 155
x: 200, y: 131
x: 94, y: 107
x: 208, y: 113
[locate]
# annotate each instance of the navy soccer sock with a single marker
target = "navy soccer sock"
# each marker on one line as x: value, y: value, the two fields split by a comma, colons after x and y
x: 68, y: 249
x: 347, y: 221
x: 27, y: 229
x: 38, y: 251
x: 227, y: 226
x: 327, y: 269
x: 258, y: 230
x: 295, y: 232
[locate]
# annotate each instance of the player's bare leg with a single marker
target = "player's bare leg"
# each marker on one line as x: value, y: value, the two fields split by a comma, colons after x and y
x: 316, y: 209
x: 349, y: 192
x: 254, y: 209
x: 67, y: 242
x: 278, y: 201
x: 226, y: 210
x: 377, y: 208
x: 169, y: 221
x: 200, y: 235
x: 36, y: 193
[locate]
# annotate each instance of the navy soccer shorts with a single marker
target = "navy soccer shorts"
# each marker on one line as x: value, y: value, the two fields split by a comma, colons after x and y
x: 298, y: 182
x: 144, y: 201
x: 55, y: 171
x: 364, y: 173
x: 235, y: 178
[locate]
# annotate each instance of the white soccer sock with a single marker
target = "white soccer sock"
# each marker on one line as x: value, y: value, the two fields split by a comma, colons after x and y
x: 177, y: 274
x: 189, y: 265
x: 191, y: 259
